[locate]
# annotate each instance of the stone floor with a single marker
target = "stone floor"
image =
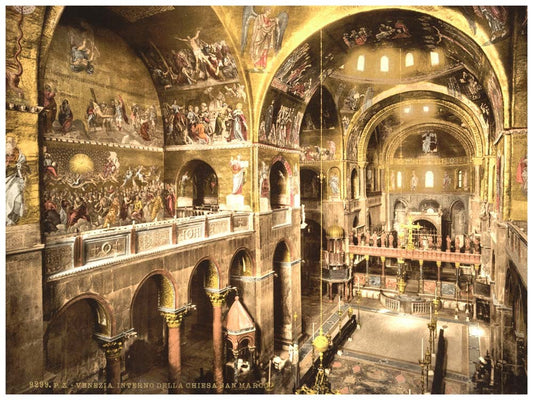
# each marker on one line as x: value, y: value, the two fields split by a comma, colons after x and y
x: 381, y: 357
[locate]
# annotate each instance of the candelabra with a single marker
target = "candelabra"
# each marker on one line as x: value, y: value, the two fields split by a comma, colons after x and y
x: 432, y: 326
x: 401, y: 280
x: 425, y: 364
x: 270, y: 385
x: 358, y: 294
x: 321, y: 385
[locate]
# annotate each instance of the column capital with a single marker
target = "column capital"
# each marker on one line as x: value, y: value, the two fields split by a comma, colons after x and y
x: 113, y: 349
x: 112, y: 346
x: 174, y: 317
x: 217, y: 298
x: 172, y: 320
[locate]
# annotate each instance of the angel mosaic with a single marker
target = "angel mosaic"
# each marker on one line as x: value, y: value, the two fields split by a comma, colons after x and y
x: 267, y: 34
x: 83, y: 51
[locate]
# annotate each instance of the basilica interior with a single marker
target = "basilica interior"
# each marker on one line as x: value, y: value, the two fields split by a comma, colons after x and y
x: 266, y: 199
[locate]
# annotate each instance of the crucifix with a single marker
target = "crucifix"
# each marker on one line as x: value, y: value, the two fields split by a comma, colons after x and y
x: 410, y: 226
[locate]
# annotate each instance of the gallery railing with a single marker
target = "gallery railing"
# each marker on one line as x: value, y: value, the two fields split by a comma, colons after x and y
x: 281, y: 216
x: 517, y: 247
x: 417, y: 254
x: 66, y: 255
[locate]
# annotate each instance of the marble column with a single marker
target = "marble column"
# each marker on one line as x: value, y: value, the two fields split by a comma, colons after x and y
x: 173, y: 322
x: 113, y: 351
x: 382, y: 272
x: 421, y: 280
x: 362, y: 181
x: 439, y: 286
x: 477, y: 180
x: 217, y: 300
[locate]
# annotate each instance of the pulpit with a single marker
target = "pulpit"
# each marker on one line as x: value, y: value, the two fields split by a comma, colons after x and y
x: 335, y: 266
x: 240, y: 332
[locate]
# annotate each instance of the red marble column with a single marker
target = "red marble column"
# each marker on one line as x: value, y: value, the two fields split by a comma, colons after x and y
x: 382, y: 272
x: 217, y: 299
x: 438, y: 278
x: 113, y: 352
x: 174, y: 350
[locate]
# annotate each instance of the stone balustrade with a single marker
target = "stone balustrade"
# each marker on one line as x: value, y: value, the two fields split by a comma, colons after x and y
x: 281, y: 217
x: 516, y: 246
x: 67, y: 254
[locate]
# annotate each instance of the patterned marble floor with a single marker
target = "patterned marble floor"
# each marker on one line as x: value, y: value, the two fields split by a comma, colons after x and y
x: 380, y: 358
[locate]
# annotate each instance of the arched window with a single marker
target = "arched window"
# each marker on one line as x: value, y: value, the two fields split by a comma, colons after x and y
x: 384, y: 64
x: 361, y: 63
x: 409, y: 60
x: 460, y: 179
x: 399, y: 179
x: 434, y: 57
x: 429, y: 179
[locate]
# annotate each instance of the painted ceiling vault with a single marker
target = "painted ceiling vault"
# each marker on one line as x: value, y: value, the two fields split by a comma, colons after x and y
x: 166, y: 38
x: 339, y: 82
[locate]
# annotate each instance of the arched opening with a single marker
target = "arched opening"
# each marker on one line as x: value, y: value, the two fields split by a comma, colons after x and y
x: 197, y: 186
x: 400, y: 213
x: 428, y: 179
x: 311, y: 253
x: 241, y: 266
x: 369, y: 181
x: 354, y: 185
x: 148, y: 350
x: 426, y: 236
x: 282, y: 279
x: 399, y: 182
x: 355, y: 222
x: 429, y: 206
x: 72, y: 355
x: 197, y: 344
x: 279, y: 186
x: 458, y: 219
x: 409, y: 60
x: 310, y: 185
x: 321, y: 111
x: 204, y: 276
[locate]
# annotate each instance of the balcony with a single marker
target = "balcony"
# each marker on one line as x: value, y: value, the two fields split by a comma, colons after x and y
x: 373, y: 199
x: 333, y: 259
x: 281, y: 217
x: 517, y: 247
x: 352, y: 205
x: 416, y: 254
x: 66, y: 255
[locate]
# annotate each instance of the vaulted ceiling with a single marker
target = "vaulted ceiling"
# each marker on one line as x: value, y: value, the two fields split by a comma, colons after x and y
x: 462, y: 77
